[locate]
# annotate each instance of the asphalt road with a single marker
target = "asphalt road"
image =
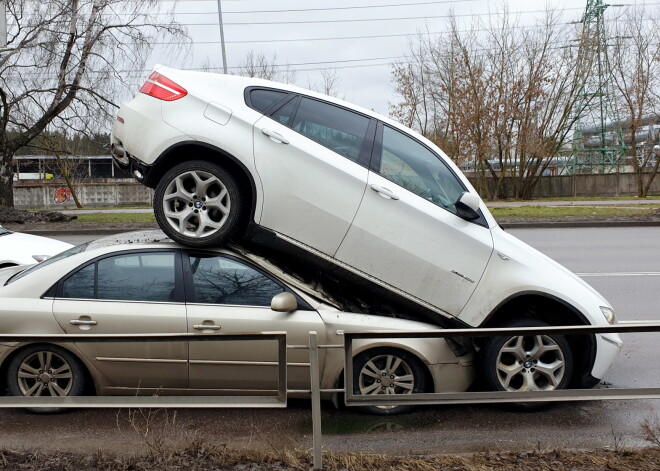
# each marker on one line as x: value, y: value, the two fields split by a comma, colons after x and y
x: 621, y: 263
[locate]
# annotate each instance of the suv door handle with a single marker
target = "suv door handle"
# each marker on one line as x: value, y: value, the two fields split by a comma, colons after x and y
x: 81, y: 322
x: 275, y: 136
x: 384, y: 192
x: 207, y: 327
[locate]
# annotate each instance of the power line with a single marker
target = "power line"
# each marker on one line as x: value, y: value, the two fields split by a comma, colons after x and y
x: 352, y: 20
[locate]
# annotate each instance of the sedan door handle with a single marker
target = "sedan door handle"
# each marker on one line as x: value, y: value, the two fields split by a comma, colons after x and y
x: 275, y: 136
x: 384, y: 192
x: 81, y: 322
x: 207, y: 327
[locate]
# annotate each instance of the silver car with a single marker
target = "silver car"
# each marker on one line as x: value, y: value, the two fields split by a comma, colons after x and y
x: 148, y: 284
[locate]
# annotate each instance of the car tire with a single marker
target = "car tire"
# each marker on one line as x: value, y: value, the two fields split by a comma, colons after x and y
x: 527, y: 363
x: 45, y: 370
x: 198, y: 204
x: 388, y: 364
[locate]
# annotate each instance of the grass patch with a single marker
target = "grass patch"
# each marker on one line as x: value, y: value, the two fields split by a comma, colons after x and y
x: 649, y: 198
x: 110, y: 218
x: 545, y: 212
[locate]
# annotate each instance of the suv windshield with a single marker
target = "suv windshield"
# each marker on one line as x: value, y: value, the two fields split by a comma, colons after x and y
x: 67, y: 253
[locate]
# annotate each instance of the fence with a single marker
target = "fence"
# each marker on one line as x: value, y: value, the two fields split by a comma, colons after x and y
x: 279, y: 398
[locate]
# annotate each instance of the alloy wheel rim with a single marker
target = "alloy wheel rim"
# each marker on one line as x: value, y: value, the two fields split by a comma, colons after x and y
x: 196, y: 204
x: 386, y: 374
x: 530, y: 363
x: 45, y: 374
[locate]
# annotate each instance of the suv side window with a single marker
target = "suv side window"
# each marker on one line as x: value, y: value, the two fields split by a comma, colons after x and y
x: 339, y: 130
x: 411, y: 165
x: 261, y: 100
x: 131, y: 277
x: 221, y: 280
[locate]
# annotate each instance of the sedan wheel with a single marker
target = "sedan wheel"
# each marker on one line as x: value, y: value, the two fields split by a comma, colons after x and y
x: 527, y: 363
x: 45, y: 370
x: 198, y: 204
x: 387, y: 371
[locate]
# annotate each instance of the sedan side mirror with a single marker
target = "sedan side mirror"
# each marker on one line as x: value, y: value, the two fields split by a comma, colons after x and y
x: 467, y: 206
x: 284, y: 302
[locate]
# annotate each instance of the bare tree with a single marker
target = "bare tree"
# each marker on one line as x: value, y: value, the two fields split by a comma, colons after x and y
x: 260, y: 66
x: 497, y: 97
x: 635, y: 61
x: 66, y: 62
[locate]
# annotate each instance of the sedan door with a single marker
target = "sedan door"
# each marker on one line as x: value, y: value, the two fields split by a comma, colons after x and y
x: 227, y: 295
x: 312, y: 160
x: 407, y: 233
x: 131, y: 293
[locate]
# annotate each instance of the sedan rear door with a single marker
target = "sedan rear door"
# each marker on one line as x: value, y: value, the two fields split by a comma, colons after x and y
x: 228, y: 296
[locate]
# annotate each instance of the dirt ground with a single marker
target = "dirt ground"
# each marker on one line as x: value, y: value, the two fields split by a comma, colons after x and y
x: 200, y: 456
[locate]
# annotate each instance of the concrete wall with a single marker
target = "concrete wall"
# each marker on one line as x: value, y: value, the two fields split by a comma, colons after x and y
x: 611, y: 184
x: 39, y: 194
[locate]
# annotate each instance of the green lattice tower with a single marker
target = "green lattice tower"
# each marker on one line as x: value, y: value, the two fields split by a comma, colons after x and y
x: 598, y: 144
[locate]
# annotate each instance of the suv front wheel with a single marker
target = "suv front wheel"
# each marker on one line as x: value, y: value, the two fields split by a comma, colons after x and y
x: 198, y: 204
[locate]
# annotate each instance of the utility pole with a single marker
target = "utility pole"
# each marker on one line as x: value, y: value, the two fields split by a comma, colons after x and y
x: 222, y: 38
x: 3, y: 24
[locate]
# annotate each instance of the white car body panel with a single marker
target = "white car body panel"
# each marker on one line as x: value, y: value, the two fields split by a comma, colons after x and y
x: 320, y: 207
x: 19, y: 249
x: 424, y: 243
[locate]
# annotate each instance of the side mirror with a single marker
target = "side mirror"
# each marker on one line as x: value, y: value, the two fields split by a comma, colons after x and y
x: 284, y: 302
x: 467, y: 206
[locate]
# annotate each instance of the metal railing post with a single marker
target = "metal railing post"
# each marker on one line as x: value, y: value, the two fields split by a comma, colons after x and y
x: 316, y: 398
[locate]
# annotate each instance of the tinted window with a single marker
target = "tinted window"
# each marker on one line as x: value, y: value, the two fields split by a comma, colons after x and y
x: 409, y: 164
x: 335, y: 128
x: 285, y: 114
x: 219, y: 280
x: 81, y: 284
x: 261, y: 100
x: 137, y: 277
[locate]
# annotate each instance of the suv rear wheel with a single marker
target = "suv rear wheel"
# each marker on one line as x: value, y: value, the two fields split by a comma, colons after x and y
x: 198, y: 203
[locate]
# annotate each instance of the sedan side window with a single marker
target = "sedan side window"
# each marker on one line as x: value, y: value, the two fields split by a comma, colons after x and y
x: 337, y: 129
x: 220, y: 280
x: 132, y: 277
x: 412, y: 166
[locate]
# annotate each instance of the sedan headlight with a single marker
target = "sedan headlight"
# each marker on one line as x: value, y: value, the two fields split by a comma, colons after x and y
x: 609, y: 314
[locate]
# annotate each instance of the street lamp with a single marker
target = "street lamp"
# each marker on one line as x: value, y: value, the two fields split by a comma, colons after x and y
x: 222, y: 38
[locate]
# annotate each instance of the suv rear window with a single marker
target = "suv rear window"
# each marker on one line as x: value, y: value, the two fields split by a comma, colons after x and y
x: 261, y: 99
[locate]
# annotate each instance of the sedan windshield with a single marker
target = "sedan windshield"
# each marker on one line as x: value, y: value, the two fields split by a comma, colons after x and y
x: 67, y: 253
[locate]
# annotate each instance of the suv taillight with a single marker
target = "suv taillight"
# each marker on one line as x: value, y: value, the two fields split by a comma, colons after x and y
x: 159, y: 86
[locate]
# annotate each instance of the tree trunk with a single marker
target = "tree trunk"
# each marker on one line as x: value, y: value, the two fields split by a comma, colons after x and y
x: 6, y: 181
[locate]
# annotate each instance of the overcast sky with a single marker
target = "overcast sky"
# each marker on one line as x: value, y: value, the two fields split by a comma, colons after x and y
x: 298, y: 32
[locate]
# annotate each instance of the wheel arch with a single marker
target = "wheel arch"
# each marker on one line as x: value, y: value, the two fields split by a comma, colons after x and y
x: 554, y: 311
x: 181, y: 151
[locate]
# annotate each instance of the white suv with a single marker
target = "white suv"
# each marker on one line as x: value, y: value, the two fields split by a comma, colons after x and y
x: 242, y: 157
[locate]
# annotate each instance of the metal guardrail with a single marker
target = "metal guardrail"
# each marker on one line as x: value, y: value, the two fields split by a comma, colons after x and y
x: 280, y: 399
x: 495, y: 397
x: 277, y: 400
